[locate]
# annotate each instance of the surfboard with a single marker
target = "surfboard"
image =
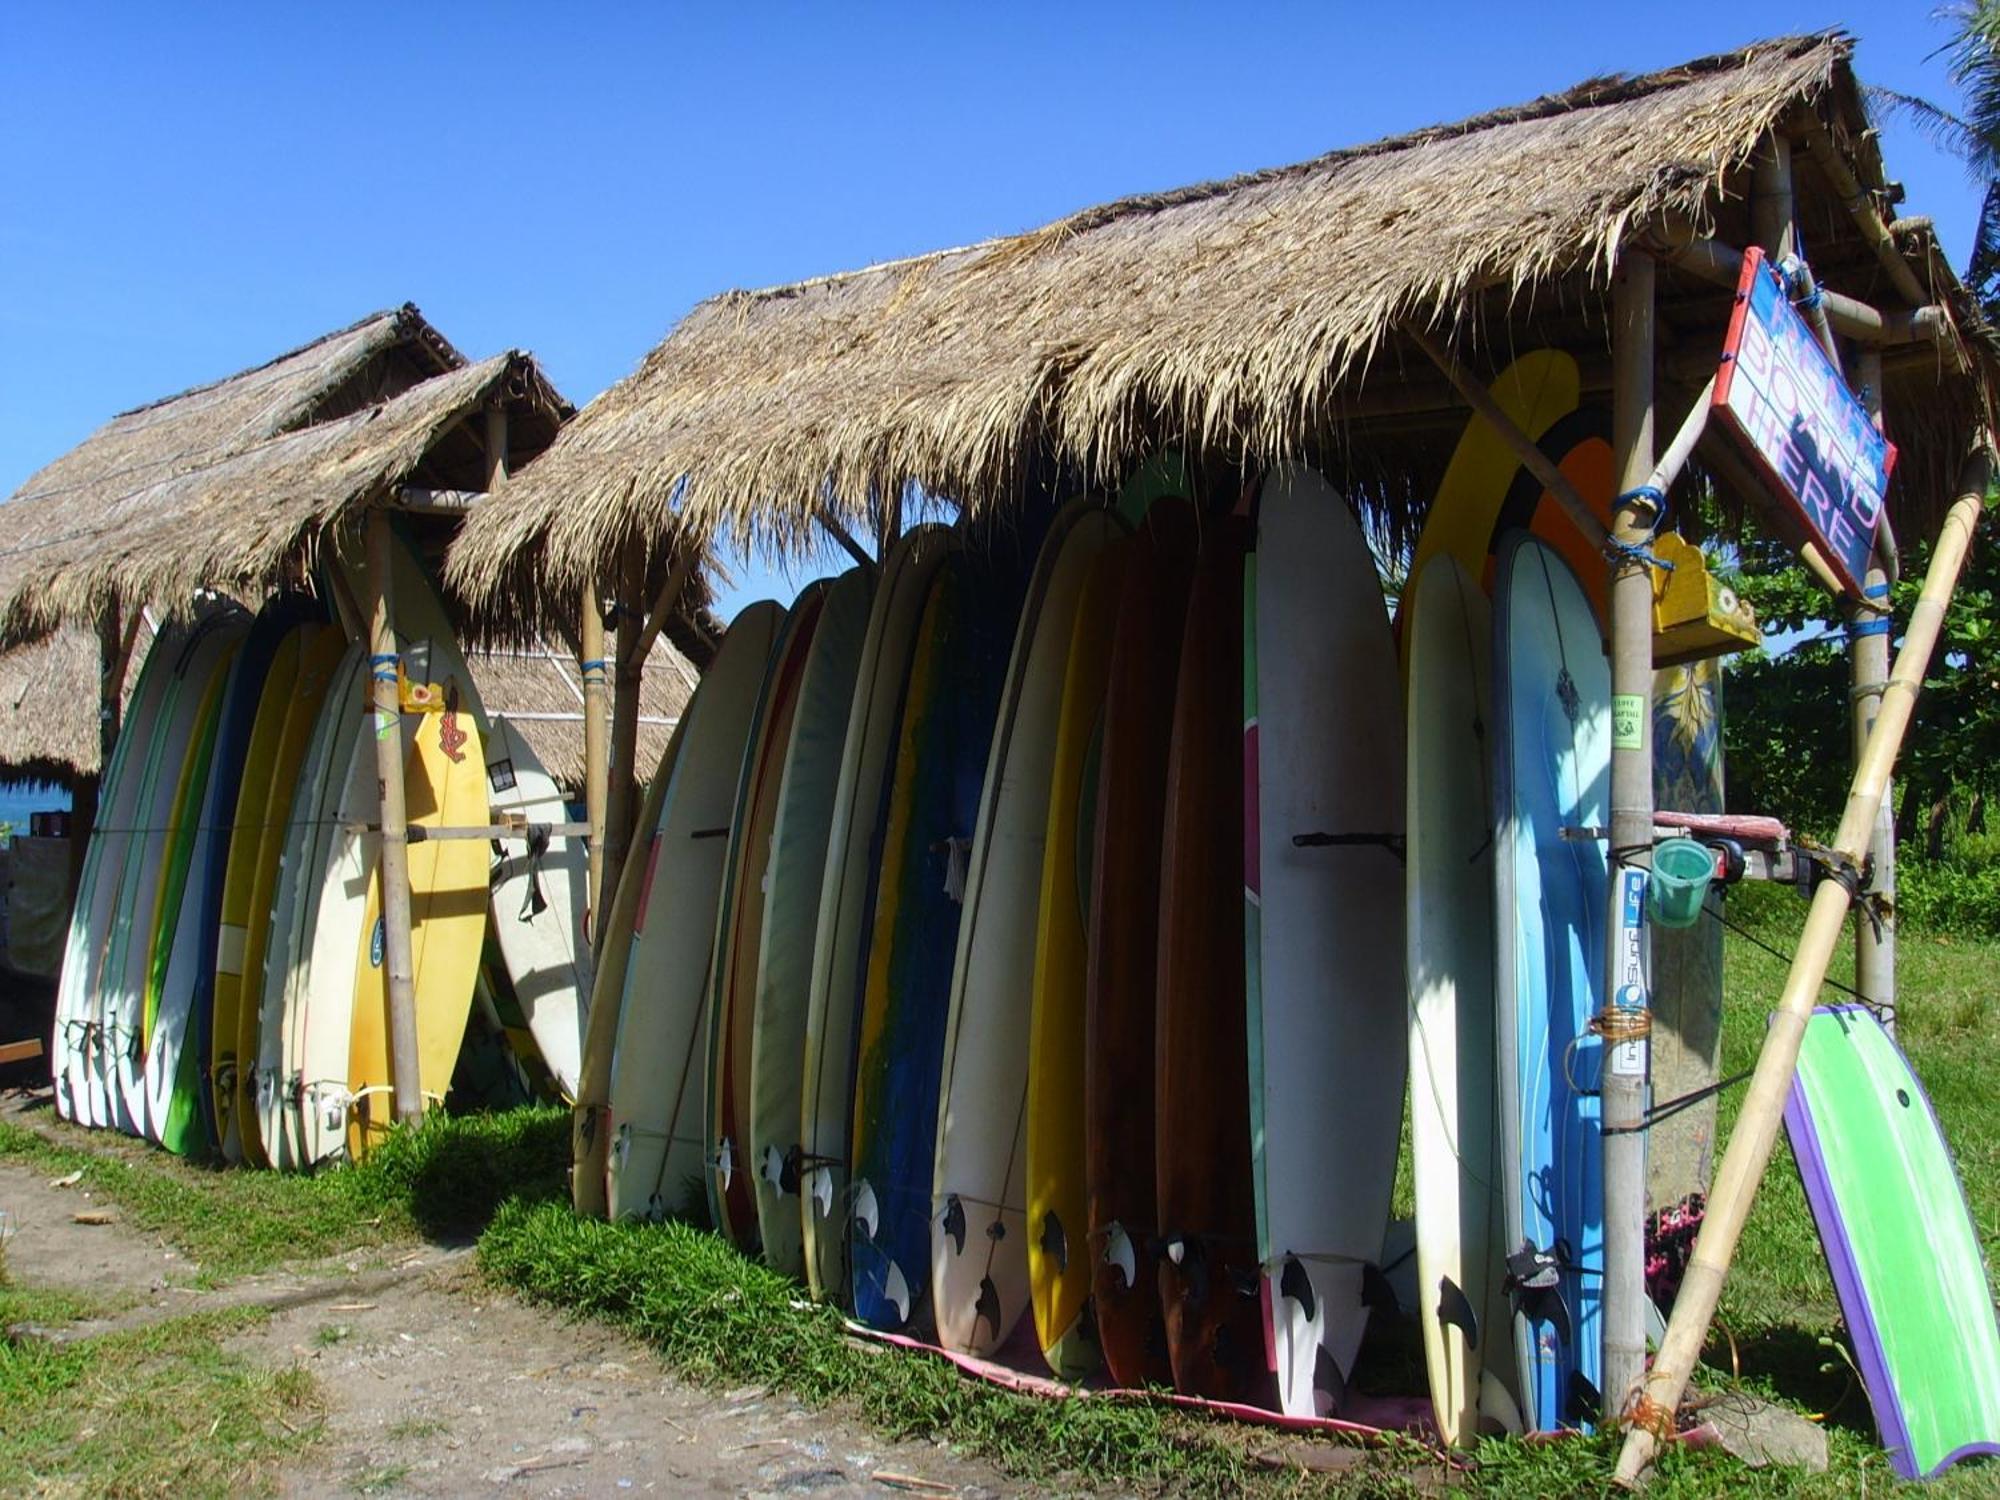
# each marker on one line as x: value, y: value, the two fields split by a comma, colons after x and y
x: 249, y: 798
x: 800, y: 834
x: 589, y: 1137
x: 979, y: 1232
x: 847, y: 903
x: 150, y: 869
x: 947, y: 731
x: 541, y: 896
x: 1323, y: 926
x: 1462, y: 1308
x: 1900, y: 1241
x: 178, y: 936
x: 326, y: 673
x: 294, y: 899
x: 73, y: 1044
x: 1122, y: 950
x: 655, y: 1162
x: 739, y: 922
x: 1059, y: 1246
x: 1210, y: 1286
x: 1552, y: 693
x: 444, y: 786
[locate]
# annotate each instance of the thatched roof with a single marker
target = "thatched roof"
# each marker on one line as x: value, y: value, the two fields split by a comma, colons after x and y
x: 540, y: 691
x: 1242, y: 322
x: 251, y: 521
x: 227, y: 485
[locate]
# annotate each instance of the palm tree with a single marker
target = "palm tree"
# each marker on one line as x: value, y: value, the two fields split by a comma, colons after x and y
x: 1973, y: 132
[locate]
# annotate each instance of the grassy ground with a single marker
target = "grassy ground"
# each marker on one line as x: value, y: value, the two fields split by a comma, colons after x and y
x: 159, y: 1410
x: 717, y: 1317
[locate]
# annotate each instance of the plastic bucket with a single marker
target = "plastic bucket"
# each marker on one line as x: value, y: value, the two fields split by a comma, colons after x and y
x: 1682, y: 870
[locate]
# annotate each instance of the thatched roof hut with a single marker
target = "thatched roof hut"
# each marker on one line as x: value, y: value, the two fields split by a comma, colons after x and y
x: 1246, y: 321
x: 540, y: 691
x: 232, y: 487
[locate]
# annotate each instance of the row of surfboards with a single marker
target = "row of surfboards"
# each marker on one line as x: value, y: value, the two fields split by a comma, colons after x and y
x: 1018, y: 932
x: 223, y: 987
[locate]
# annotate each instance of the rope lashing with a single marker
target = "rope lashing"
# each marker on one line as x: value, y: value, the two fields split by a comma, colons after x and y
x: 1641, y: 551
x: 383, y: 664
x: 1618, y: 1023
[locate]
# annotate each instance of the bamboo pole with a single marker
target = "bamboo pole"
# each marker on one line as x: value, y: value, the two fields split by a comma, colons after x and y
x: 628, y: 667
x: 1771, y: 197
x: 1866, y: 217
x: 1852, y: 318
x: 1756, y: 1132
x: 830, y: 523
x: 385, y: 718
x: 114, y: 658
x: 596, y: 764
x: 891, y: 527
x: 1868, y: 666
x: 1525, y: 448
x: 1625, y: 999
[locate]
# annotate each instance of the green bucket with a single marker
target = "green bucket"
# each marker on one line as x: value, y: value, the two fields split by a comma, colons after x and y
x: 1682, y: 870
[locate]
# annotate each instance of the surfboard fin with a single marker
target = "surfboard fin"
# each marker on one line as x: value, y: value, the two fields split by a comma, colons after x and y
x: 822, y: 1190
x: 1294, y: 1282
x: 1055, y: 1244
x: 953, y: 1222
x: 1534, y: 1278
x: 725, y: 1163
x: 1377, y: 1290
x: 1585, y: 1401
x: 1119, y: 1254
x: 867, y: 1212
x: 774, y: 1167
x: 1455, y: 1311
x: 896, y: 1287
x: 988, y: 1308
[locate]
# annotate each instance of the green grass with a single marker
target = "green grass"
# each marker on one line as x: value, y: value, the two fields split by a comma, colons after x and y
x: 442, y: 1182
x: 159, y: 1410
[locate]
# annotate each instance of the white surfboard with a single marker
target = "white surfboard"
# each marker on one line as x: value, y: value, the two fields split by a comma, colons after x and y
x: 979, y: 1234
x: 1324, y: 928
x: 1461, y: 1306
x: 657, y: 1131
x: 78, y: 991
x: 541, y: 897
x: 840, y: 939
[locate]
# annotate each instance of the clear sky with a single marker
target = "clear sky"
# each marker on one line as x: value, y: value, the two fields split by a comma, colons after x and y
x: 188, y: 190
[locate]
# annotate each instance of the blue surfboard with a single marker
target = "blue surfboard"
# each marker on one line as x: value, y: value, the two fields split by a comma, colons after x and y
x: 1552, y: 687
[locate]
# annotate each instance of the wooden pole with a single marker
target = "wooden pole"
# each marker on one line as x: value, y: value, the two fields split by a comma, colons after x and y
x: 830, y: 523
x: 596, y: 763
x: 628, y: 664
x: 891, y: 527
x: 114, y: 657
x: 1852, y: 318
x: 1756, y: 1132
x: 1525, y: 448
x: 1868, y: 633
x: 385, y: 718
x: 1771, y: 197
x: 1627, y: 1012
x: 1866, y: 217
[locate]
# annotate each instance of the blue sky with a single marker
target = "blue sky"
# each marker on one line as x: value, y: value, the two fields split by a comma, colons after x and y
x: 187, y: 190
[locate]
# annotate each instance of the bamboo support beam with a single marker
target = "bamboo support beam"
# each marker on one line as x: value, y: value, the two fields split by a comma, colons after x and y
x: 830, y: 524
x: 1756, y: 1132
x: 1525, y: 448
x: 496, y: 447
x: 1852, y: 318
x: 1771, y: 217
x: 1868, y: 671
x: 1625, y: 997
x: 890, y: 530
x: 385, y: 727
x: 628, y: 665
x: 596, y: 741
x: 1867, y: 218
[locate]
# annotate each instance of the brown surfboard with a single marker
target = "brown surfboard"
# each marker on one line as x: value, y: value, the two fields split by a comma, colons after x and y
x: 1122, y: 943
x: 1210, y: 1286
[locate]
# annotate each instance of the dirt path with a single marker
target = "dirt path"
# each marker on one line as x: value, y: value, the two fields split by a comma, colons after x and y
x: 437, y: 1384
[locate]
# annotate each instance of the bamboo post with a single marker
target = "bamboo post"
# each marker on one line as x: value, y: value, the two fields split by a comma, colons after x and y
x: 830, y: 523
x: 891, y: 527
x: 114, y: 657
x: 1771, y: 197
x: 1627, y: 1013
x: 385, y: 716
x: 1868, y: 633
x: 1756, y: 1132
x: 596, y: 766
x: 628, y: 668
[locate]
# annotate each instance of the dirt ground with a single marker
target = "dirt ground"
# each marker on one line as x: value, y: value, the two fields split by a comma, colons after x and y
x: 437, y: 1384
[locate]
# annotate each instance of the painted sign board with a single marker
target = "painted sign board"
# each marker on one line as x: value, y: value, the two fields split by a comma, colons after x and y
x: 1810, y: 440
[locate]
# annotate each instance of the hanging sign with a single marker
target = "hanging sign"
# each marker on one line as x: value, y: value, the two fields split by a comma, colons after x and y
x: 1811, y: 441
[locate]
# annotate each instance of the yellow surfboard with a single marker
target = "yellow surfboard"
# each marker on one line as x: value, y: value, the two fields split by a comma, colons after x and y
x: 239, y: 875
x: 1059, y: 1255
x: 320, y: 651
x: 444, y: 787
x: 1537, y: 390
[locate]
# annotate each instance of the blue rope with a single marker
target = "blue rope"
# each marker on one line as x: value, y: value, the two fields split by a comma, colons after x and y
x: 1641, y: 550
x: 1880, y: 624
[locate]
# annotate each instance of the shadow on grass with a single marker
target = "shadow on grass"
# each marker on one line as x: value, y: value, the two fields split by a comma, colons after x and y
x: 453, y: 1174
x: 1793, y: 1365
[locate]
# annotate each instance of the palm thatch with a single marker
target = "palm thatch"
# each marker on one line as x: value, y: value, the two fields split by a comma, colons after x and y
x: 48, y: 707
x: 1241, y: 322
x: 252, y: 521
x: 540, y: 691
